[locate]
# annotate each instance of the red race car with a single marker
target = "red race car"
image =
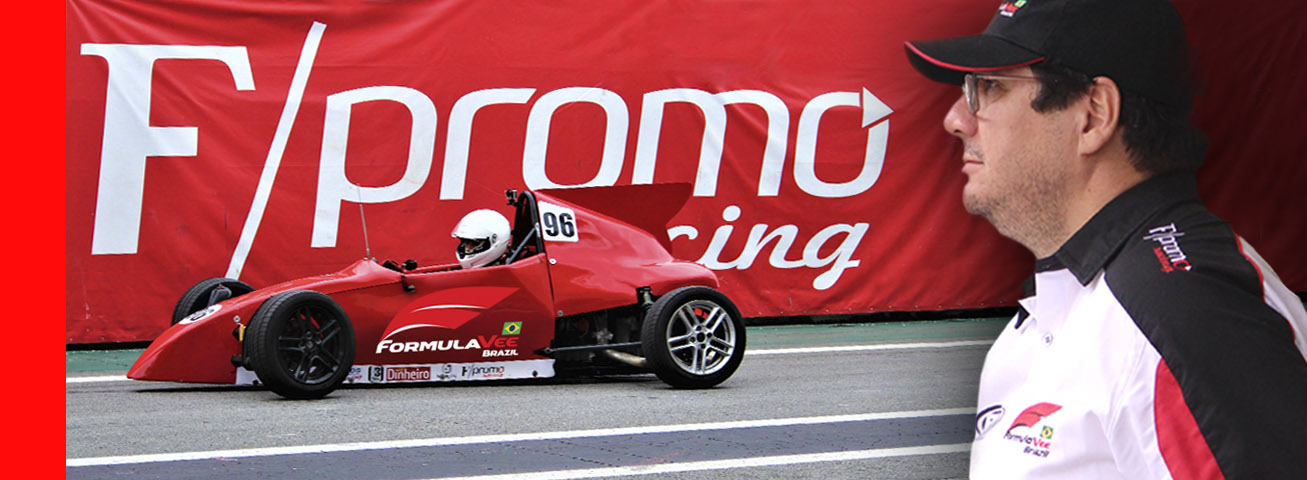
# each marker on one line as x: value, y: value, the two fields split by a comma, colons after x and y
x: 585, y: 284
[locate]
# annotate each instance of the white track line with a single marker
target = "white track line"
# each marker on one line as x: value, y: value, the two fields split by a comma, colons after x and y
x: 502, y: 438
x: 866, y: 348
x: 104, y: 378
x: 747, y: 353
x: 751, y: 462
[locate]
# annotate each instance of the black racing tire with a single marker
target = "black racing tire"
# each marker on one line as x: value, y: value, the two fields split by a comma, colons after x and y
x: 197, y: 297
x: 693, y: 337
x: 300, y: 343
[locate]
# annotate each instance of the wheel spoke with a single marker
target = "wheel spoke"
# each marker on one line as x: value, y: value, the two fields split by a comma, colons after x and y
x: 680, y: 338
x: 716, y: 317
x: 685, y: 314
x: 299, y: 318
x: 309, y: 322
x: 329, y: 360
x: 301, y: 372
x: 723, y: 340
x: 289, y: 344
x: 724, y: 351
x: 331, y: 330
x: 681, y: 347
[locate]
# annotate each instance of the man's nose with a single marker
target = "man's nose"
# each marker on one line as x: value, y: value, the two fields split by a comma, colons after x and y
x: 959, y: 121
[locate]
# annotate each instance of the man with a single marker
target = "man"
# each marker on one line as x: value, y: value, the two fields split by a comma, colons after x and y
x: 1154, y: 342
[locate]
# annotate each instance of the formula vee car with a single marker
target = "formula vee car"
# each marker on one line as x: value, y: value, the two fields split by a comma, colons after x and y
x: 587, y: 286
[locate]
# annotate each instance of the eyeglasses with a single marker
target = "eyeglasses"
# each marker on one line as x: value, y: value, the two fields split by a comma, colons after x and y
x: 971, y: 87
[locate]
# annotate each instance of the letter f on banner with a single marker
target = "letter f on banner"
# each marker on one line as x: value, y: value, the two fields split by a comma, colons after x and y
x: 129, y: 139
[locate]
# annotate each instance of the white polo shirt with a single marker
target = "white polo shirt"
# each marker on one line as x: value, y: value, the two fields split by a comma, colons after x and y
x: 1158, y: 345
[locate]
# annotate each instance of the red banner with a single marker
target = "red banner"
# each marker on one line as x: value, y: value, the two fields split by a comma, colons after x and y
x: 268, y: 141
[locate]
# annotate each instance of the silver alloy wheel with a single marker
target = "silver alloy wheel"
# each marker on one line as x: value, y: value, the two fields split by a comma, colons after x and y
x: 701, y: 337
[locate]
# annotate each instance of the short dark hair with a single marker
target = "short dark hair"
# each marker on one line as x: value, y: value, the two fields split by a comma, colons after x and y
x: 1158, y: 137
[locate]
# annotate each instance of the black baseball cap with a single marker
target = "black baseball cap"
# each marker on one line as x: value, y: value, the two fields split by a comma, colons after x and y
x: 1139, y: 44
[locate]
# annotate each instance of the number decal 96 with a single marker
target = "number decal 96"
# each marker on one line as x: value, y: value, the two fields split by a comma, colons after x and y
x: 557, y: 223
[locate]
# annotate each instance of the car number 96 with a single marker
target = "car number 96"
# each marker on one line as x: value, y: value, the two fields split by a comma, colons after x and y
x: 557, y: 223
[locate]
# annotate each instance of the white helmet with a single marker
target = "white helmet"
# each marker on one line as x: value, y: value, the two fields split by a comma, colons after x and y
x: 483, y: 236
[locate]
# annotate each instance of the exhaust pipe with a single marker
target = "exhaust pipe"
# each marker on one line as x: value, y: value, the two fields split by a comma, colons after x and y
x: 629, y: 359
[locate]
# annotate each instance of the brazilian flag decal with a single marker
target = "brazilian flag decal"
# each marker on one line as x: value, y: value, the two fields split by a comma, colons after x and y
x: 512, y: 328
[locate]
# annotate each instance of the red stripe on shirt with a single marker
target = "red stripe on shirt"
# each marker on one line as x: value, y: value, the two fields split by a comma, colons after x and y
x: 1183, y: 447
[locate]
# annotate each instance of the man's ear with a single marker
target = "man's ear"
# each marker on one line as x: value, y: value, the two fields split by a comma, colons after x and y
x: 1102, y: 111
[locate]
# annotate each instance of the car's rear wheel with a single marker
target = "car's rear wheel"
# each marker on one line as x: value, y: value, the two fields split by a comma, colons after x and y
x: 300, y: 344
x: 205, y: 293
x: 693, y: 337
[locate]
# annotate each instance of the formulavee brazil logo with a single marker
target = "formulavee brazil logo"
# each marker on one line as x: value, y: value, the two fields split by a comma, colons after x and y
x: 1030, y: 416
x: 1041, y: 445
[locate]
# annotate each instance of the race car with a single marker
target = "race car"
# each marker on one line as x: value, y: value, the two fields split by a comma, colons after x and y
x: 587, y: 285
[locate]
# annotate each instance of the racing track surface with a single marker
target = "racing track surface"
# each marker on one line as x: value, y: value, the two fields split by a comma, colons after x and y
x: 813, y: 401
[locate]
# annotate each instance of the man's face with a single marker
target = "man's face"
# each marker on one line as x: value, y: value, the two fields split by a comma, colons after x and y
x: 1016, y: 159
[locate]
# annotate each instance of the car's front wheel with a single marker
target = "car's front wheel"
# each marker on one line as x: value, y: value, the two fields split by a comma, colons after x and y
x: 693, y: 337
x: 206, y: 293
x: 300, y: 344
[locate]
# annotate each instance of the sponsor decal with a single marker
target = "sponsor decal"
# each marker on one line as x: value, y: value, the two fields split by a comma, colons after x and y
x: 355, y: 374
x: 408, y: 374
x: 1039, y: 445
x: 503, y: 345
x: 446, y: 372
x: 392, y: 346
x: 194, y: 317
x: 1168, y: 251
x: 1008, y: 9
x: 481, y: 372
x: 512, y: 328
x: 987, y: 418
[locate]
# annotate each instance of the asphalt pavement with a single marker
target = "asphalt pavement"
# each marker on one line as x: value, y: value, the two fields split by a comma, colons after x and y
x: 882, y: 400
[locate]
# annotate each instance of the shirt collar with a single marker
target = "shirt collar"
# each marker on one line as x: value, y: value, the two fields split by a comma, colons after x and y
x: 1097, y: 242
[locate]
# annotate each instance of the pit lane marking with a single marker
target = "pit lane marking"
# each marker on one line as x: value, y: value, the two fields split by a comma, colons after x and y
x: 525, y: 437
x: 747, y: 353
x: 749, y: 462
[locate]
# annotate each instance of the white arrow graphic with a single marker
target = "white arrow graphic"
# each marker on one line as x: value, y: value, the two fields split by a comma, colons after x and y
x: 874, y: 111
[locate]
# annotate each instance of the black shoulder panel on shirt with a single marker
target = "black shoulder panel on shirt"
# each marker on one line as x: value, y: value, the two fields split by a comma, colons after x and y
x: 1199, y: 301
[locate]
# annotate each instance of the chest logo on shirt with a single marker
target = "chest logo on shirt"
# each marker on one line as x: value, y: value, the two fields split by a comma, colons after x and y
x: 1029, y: 429
x: 1168, y: 250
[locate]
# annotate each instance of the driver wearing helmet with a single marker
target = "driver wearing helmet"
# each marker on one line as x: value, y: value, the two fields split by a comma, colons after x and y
x: 483, y: 238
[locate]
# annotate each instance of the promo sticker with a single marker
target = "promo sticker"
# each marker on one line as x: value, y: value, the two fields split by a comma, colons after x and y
x: 557, y: 223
